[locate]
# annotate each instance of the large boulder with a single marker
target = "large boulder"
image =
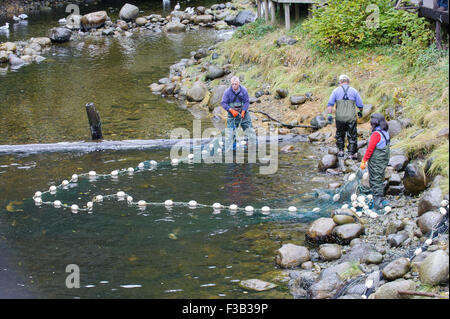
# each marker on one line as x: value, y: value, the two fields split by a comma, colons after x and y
x: 434, y: 269
x: 205, y: 18
x: 398, y: 162
x: 321, y: 229
x: 395, y: 127
x: 214, y: 72
x: 397, y: 239
x: 328, y: 161
x: 59, y: 35
x: 289, y: 255
x: 42, y: 41
x: 430, y: 200
x: 174, y: 27
x: 297, y: 99
x: 396, y: 269
x: 326, y: 287
x: 197, y: 92
x: 128, y: 12
x: 330, y: 251
x: 256, y: 284
x: 216, y: 96
x: 93, y: 20
x: 318, y: 121
x: 414, y: 180
x: 345, y: 233
x: 244, y: 17
x: 390, y: 290
x: 427, y: 221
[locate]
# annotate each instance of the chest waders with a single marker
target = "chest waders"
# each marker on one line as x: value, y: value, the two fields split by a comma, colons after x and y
x: 346, y: 123
x: 233, y: 123
x: 377, y: 165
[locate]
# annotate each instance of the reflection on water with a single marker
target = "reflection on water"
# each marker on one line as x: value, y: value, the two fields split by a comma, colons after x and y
x: 44, y: 102
x: 176, y: 253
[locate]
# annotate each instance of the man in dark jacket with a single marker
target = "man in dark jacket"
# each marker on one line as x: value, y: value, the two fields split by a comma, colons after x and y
x: 236, y: 101
x: 347, y: 99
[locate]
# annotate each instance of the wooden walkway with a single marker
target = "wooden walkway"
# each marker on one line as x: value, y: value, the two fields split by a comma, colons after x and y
x: 270, y: 9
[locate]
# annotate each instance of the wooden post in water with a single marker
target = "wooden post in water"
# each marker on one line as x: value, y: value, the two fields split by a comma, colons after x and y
x: 94, y: 121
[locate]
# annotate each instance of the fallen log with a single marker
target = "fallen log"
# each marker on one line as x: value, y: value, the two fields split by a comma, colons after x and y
x: 283, y: 124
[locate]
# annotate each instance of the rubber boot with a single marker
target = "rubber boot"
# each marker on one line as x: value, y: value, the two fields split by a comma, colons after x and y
x: 377, y: 203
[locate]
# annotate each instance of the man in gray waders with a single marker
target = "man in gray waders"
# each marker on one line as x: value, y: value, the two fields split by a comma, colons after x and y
x: 236, y: 101
x: 347, y: 99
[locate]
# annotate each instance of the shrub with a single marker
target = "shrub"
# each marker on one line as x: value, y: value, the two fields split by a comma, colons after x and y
x: 349, y: 23
x: 255, y: 30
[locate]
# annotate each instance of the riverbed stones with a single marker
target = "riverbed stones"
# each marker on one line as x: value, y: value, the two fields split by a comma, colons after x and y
x: 330, y: 251
x: 390, y: 289
x: 285, y: 40
x: 8, y: 46
x: 205, y: 18
x: 396, y: 269
x: 297, y: 99
x: 326, y: 287
x: 93, y: 20
x: 15, y: 61
x: 328, y: 161
x: 256, y: 284
x: 197, y: 92
x: 74, y: 22
x: 321, y: 229
x: 221, y: 25
x: 42, y: 41
x: 397, y: 239
x: 345, y: 233
x: 430, y: 200
x: 214, y: 72
x: 200, y: 53
x: 128, y: 12
x: 59, y: 35
x: 343, y: 219
x: 427, y: 221
x: 373, y: 257
x: 174, y: 27
x: 290, y: 255
x: 434, y: 269
x: 156, y: 87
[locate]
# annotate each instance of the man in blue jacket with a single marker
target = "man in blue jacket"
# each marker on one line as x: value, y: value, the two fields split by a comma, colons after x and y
x: 236, y: 101
x: 347, y: 100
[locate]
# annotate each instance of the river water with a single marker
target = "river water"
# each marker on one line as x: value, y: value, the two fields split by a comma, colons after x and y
x: 122, y: 251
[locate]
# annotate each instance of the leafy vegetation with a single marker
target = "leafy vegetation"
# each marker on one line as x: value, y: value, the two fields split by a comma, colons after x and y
x: 256, y: 30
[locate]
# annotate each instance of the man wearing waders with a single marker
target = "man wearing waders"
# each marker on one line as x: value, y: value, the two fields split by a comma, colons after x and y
x: 377, y: 157
x: 347, y: 99
x: 235, y: 101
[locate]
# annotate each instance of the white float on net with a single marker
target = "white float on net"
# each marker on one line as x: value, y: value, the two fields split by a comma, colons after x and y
x: 74, y: 177
x: 37, y: 194
x: 336, y: 197
x: 38, y: 200
x: 192, y: 203
x: 265, y: 209
x: 168, y: 202
x: 89, y: 205
x: 57, y: 203
x: 74, y: 208
x: 233, y: 207
x: 114, y: 173
x: 217, y: 206
x: 429, y: 241
x: 444, y: 203
x: 129, y: 199
x: 353, y: 197
x: 388, y: 209
x: 369, y: 283
x: 174, y: 161
x: 370, y: 197
x: 120, y: 194
x: 65, y: 182
x: 249, y: 208
x: 141, y: 165
x: 292, y: 208
x: 99, y: 198
x: 142, y: 203
x: 191, y: 156
x: 351, y: 177
x: 153, y: 163
x: 316, y: 210
x: 442, y: 210
x: 92, y: 173
x: 345, y: 206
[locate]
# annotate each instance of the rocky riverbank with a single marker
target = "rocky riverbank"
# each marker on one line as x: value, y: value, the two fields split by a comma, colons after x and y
x: 355, y: 252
